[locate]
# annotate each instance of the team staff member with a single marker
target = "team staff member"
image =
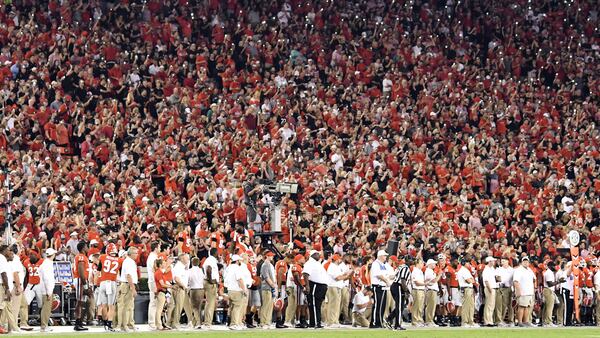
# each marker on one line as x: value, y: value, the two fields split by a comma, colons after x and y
x: 549, y: 280
x: 401, y: 282
x: 431, y: 294
x: 267, y: 287
x: 152, y: 256
x: 94, y: 281
x: 127, y: 290
x: 196, y: 285
x: 47, y: 285
x: 490, y: 286
x: 465, y: 283
x: 211, y: 270
x: 562, y: 273
x: 163, y: 284
x: 524, y: 291
x: 7, y: 317
x: 107, y: 291
x: 290, y: 293
x: 504, y: 293
x: 316, y: 288
x: 361, y: 302
x: 248, y: 280
x: 180, y: 287
x: 236, y: 288
x: 380, y: 283
x: 334, y: 290
x: 254, y: 292
x: 81, y: 281
x: 418, y: 293
x: 19, y: 279
x: 346, y: 267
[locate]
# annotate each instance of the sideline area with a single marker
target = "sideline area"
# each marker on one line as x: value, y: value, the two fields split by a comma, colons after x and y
x: 346, y: 332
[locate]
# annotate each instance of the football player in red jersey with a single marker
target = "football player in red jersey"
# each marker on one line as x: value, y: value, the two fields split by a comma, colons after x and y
x: 298, y: 279
x: 31, y: 265
x: 281, y: 268
x: 81, y: 277
x: 107, y: 294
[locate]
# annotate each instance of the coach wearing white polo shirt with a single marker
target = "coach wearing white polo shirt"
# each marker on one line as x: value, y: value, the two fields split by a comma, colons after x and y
x: 47, y: 282
x: 490, y: 284
x: 180, y: 291
x: 236, y: 288
x: 524, y: 291
x: 316, y: 288
x: 380, y: 282
x: 128, y: 280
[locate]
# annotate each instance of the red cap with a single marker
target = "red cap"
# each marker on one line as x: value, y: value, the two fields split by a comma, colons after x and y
x: 335, y: 257
x: 269, y: 254
x: 298, y: 258
x: 394, y: 259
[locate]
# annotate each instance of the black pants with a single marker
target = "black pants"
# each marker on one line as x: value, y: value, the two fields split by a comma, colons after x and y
x: 569, y: 303
x: 315, y: 299
x: 396, y: 315
x: 378, y: 306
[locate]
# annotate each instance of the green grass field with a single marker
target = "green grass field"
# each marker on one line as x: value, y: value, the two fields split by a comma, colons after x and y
x: 440, y: 333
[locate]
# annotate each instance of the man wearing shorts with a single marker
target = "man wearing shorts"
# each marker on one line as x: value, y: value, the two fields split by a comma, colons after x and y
x: 107, y: 293
x: 524, y: 291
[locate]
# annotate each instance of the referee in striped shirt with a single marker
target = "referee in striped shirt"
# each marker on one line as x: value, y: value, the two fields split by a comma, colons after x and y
x: 400, y: 280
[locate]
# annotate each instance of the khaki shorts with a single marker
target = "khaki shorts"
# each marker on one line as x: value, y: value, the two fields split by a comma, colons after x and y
x: 525, y: 301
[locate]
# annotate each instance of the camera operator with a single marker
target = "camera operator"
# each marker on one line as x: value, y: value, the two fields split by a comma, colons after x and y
x: 251, y: 194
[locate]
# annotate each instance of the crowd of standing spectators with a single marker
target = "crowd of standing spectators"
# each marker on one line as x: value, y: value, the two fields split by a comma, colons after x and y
x: 452, y: 126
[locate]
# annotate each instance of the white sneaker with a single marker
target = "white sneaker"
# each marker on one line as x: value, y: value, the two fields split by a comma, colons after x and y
x: 266, y: 327
x: 46, y: 329
x: 432, y: 325
x: 475, y: 325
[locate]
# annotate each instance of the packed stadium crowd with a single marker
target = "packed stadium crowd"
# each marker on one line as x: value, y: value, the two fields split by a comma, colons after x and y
x: 467, y: 131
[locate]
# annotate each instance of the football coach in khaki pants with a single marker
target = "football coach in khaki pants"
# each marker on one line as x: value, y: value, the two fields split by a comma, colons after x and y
x: 47, y: 284
x: 490, y: 285
x: 211, y: 270
x: 127, y: 290
x: 267, y: 275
